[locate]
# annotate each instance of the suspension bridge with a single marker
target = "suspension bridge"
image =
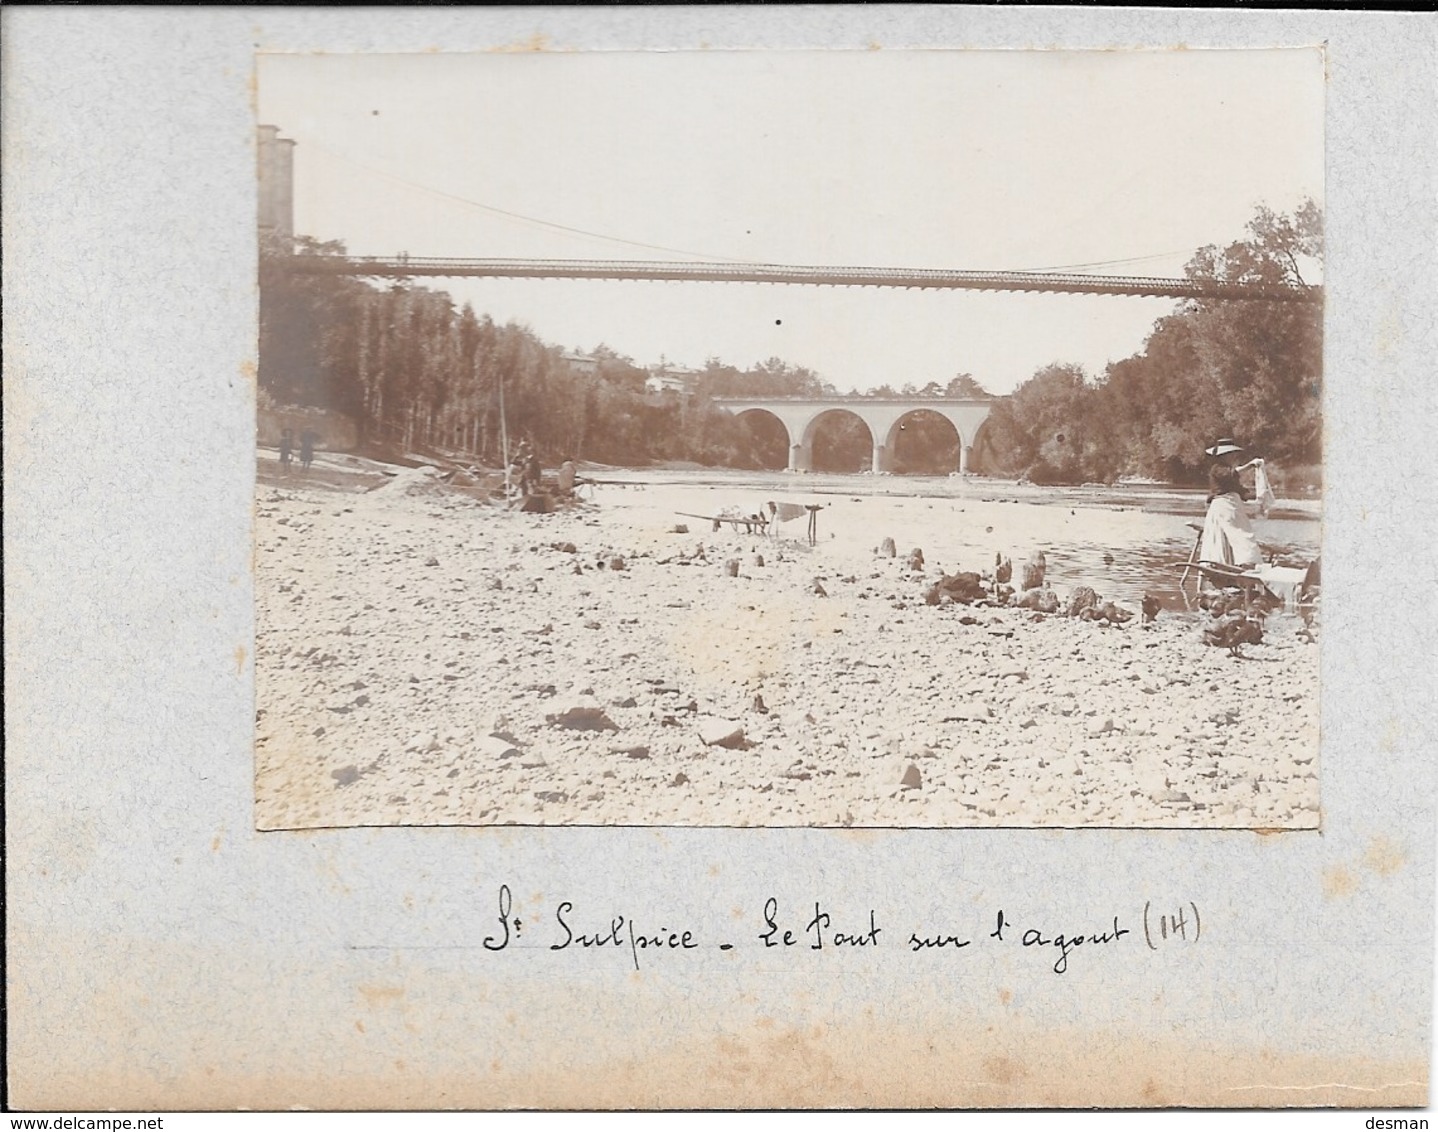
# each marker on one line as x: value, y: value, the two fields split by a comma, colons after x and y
x: 406, y: 267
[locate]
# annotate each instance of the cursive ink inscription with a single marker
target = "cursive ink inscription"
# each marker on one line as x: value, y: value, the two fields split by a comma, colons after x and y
x: 825, y: 929
x: 621, y: 932
x: 506, y: 905
x: 919, y: 943
x: 1035, y: 937
x: 817, y: 931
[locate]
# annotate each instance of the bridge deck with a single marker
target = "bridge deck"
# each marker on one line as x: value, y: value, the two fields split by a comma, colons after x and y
x: 403, y: 267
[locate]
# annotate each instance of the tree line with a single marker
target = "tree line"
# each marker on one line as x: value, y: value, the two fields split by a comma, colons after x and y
x: 1247, y: 369
x: 421, y: 376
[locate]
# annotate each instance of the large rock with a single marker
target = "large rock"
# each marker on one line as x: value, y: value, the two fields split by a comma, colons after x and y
x: 964, y: 587
x: 584, y: 714
x: 1044, y: 600
x: 1032, y: 572
x: 721, y: 733
x: 496, y: 747
x: 1083, y: 598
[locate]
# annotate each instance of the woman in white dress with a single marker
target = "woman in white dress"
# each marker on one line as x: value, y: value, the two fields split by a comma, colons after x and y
x: 1228, y: 528
x: 1228, y: 536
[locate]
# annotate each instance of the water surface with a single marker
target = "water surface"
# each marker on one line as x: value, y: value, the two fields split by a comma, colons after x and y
x: 1124, y: 541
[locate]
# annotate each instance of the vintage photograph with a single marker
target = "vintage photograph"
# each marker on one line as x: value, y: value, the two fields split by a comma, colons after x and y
x: 906, y: 439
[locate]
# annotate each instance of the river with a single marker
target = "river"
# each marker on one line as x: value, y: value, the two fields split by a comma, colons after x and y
x: 1122, y: 540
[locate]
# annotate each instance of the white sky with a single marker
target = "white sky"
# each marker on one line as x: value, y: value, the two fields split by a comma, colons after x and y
x: 966, y: 160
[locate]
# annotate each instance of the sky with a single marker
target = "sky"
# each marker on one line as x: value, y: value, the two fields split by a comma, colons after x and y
x: 1113, y: 162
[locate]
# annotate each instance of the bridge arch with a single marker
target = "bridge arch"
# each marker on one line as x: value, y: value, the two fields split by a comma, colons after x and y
x: 753, y: 416
x: 919, y: 418
x: 831, y: 415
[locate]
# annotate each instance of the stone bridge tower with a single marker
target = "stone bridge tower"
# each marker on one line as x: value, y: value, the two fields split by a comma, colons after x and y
x: 276, y: 158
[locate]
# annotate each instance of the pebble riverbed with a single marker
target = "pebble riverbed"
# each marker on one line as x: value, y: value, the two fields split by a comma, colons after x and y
x: 424, y: 658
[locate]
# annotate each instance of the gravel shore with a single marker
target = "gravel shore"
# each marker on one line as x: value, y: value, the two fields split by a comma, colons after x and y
x: 424, y: 658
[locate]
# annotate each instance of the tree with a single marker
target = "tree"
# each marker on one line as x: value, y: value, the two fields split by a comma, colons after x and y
x: 964, y: 385
x: 307, y: 347
x: 1051, y: 413
x: 1244, y: 368
x: 1262, y: 363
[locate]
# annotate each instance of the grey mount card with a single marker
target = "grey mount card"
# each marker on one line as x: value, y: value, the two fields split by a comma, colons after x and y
x: 570, y: 559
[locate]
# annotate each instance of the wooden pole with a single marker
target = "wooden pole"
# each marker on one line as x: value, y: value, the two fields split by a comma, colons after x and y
x: 1192, y: 558
x: 503, y: 436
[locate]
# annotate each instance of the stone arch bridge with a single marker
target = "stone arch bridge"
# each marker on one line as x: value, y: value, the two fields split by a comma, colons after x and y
x: 800, y: 417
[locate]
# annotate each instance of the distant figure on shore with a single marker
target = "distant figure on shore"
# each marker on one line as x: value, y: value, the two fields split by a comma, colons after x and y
x: 287, y: 450
x: 307, y: 448
x: 519, y: 468
x: 532, y: 473
x: 568, y: 476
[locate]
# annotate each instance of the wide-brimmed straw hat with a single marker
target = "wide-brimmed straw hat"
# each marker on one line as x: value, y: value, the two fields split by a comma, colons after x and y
x: 1224, y: 447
